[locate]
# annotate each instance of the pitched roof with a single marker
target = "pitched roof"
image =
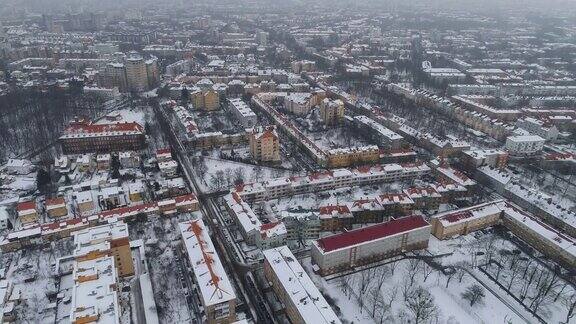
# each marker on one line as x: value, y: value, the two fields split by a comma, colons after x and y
x: 371, y: 233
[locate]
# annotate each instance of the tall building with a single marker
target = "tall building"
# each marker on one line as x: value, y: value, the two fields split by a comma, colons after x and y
x: 105, y: 240
x: 215, y: 289
x: 332, y: 111
x: 304, y: 302
x: 243, y: 113
x: 265, y: 144
x: 136, y: 73
x: 205, y: 99
x: 114, y: 75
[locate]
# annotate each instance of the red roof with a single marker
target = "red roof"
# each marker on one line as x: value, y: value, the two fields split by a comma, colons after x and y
x: 126, y: 210
x: 183, y: 198
x: 455, y: 217
x: 84, y: 128
x: 26, y: 205
x: 164, y: 151
x: 55, y: 201
x: 371, y: 233
x: 338, y: 209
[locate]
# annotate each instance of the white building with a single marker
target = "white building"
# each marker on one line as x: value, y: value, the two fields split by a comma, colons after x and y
x: 94, y: 296
x: 304, y: 302
x: 369, y: 244
x: 215, y: 289
x: 524, y: 144
x: 539, y: 128
x: 4, y: 218
x: 243, y: 113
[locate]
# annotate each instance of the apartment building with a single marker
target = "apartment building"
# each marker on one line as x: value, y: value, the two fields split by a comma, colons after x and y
x: 524, y: 144
x: 84, y: 137
x: 463, y: 221
x: 215, y: 289
x: 243, y: 113
x: 344, y: 157
x: 94, y: 292
x: 379, y: 133
x: 208, y: 100
x: 540, y: 128
x: 472, y: 159
x: 299, y: 103
x: 332, y: 111
x: 303, y: 301
x: 136, y: 73
x: 27, y: 212
x: 105, y: 240
x: 56, y: 207
x: 370, y: 244
x: 264, y: 144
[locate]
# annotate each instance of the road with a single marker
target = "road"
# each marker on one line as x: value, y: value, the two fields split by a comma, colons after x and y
x: 210, y: 218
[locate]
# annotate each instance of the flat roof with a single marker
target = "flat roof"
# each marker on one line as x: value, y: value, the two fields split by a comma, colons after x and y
x: 371, y: 233
x: 97, y: 296
x: 305, y: 296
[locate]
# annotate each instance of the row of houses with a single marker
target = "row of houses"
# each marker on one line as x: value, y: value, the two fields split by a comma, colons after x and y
x: 39, y: 233
x: 328, y: 180
x: 546, y: 239
x: 478, y: 119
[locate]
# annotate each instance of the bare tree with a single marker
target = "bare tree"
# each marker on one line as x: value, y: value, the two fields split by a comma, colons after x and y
x: 569, y: 303
x: 426, y: 270
x: 421, y: 304
x: 473, y: 294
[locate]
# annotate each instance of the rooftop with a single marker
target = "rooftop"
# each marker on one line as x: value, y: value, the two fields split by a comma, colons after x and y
x: 371, y: 233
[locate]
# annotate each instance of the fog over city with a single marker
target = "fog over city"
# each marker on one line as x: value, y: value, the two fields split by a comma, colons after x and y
x: 288, y: 162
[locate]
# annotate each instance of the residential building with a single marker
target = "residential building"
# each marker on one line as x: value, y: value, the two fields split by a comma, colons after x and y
x: 299, y: 103
x: 472, y: 159
x: 303, y: 301
x: 534, y: 126
x: 524, y: 144
x: 370, y: 244
x: 136, y: 73
x: 332, y: 111
x: 264, y: 144
x: 105, y: 240
x: 56, y: 207
x: 94, y: 292
x: 215, y: 289
x: 243, y: 113
x: 4, y: 218
x: 208, y: 100
x: 83, y: 137
x: 463, y: 221
x: 27, y: 212
x: 378, y: 132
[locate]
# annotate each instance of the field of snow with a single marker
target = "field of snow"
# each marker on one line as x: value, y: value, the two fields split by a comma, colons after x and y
x: 376, y: 295
x: 514, y: 275
x: 218, y: 174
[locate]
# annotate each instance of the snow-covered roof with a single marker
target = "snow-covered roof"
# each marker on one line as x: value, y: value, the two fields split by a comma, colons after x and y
x: 213, y: 282
x: 92, y: 238
x: 300, y: 289
x: 94, y: 293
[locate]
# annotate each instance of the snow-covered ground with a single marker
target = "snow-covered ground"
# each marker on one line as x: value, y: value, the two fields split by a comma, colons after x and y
x: 218, y: 174
x: 516, y: 275
x: 449, y: 305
